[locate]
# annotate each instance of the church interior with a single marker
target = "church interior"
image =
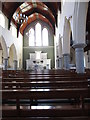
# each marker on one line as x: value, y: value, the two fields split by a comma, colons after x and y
x: 45, y: 60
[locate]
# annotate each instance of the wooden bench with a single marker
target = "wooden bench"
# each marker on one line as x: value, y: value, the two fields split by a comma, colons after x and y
x: 47, y: 118
x: 17, y: 95
x: 42, y: 78
x: 45, y: 72
x: 55, y: 74
x: 45, y: 84
x: 55, y: 87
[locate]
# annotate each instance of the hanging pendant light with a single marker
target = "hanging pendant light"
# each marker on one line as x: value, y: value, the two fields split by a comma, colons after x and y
x: 20, y: 18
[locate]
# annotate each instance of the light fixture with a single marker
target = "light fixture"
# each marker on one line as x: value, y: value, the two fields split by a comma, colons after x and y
x: 20, y: 18
x: 68, y: 17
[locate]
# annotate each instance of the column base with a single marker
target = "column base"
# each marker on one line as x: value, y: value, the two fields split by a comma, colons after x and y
x: 15, y: 64
x: 5, y: 63
x: 57, y: 63
x: 66, y: 58
x: 79, y: 55
x: 61, y: 63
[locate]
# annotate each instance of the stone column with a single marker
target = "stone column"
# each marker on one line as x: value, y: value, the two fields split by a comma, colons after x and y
x: 66, y: 58
x: 61, y: 63
x: 66, y: 44
x: 79, y: 55
x: 5, y: 63
x: 57, y: 63
x: 15, y: 64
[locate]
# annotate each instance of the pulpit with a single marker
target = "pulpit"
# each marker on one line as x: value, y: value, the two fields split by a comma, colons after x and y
x: 38, y: 61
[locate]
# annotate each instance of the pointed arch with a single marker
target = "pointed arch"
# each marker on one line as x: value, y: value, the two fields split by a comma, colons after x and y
x: 12, y: 55
x: 79, y: 22
x: 4, y: 47
x: 66, y: 36
x: 2, y: 20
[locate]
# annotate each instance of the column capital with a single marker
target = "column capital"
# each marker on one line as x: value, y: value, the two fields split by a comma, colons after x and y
x: 66, y: 54
x: 5, y: 58
x: 15, y: 60
x: 79, y: 45
x: 60, y: 57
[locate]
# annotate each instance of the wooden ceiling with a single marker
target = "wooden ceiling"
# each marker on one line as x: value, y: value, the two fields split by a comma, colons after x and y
x: 32, y: 19
x: 9, y: 9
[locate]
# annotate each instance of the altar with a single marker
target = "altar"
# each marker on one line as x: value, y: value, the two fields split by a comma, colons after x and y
x: 38, y: 61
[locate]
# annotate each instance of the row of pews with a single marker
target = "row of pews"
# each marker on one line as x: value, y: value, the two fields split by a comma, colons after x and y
x: 45, y: 95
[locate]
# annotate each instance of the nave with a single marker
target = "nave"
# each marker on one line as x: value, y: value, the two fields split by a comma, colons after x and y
x: 45, y: 60
x: 45, y: 95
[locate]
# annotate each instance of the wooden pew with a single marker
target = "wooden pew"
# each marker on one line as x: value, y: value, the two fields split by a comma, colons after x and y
x: 51, y: 71
x: 56, y: 72
x: 45, y: 85
x: 55, y: 92
x: 43, y: 78
x: 42, y: 75
x: 39, y: 73
x: 46, y: 82
x: 48, y: 118
x: 17, y: 95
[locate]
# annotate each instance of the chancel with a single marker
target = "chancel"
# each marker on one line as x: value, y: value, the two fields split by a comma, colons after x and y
x: 38, y: 61
x: 45, y: 60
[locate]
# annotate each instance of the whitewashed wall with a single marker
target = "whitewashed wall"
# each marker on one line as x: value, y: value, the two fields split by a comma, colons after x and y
x: 9, y: 40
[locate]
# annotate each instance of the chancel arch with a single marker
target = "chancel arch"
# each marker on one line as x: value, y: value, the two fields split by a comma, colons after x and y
x: 42, y: 33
